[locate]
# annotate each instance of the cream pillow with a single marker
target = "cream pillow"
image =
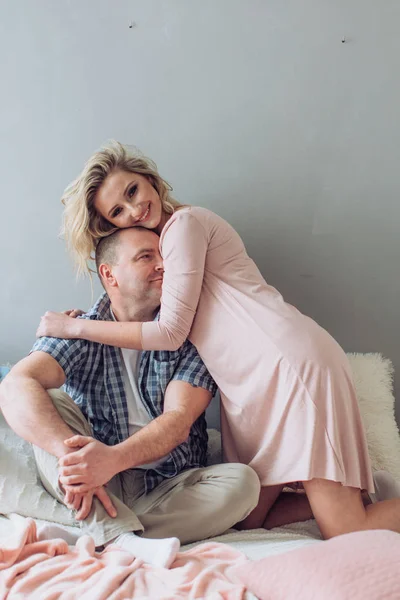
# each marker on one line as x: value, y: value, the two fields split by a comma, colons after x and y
x: 373, y: 379
x: 21, y: 490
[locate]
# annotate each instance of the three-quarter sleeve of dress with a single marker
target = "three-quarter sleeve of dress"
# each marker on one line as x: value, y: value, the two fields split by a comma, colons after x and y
x: 184, y: 245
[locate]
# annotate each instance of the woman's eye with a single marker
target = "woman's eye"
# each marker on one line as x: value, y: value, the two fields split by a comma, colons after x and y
x: 132, y: 191
x: 116, y: 212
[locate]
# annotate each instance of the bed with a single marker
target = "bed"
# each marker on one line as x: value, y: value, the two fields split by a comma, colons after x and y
x: 21, y: 492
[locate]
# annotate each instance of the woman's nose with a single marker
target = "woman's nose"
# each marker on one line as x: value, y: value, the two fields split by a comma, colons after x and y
x: 135, y: 212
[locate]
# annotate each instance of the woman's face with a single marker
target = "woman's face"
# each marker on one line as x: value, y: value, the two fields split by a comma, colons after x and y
x: 128, y: 199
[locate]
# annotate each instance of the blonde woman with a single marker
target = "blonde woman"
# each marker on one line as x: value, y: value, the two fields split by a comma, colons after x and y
x: 289, y: 408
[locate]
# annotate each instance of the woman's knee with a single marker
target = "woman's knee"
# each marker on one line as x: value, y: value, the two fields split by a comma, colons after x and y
x: 338, y: 509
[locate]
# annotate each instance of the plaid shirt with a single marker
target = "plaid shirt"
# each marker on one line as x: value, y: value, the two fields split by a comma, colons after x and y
x: 95, y: 382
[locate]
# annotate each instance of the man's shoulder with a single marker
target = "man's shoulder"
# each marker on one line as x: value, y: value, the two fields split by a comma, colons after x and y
x: 185, y: 357
x: 101, y: 310
x: 190, y: 368
x: 58, y: 346
x: 65, y: 350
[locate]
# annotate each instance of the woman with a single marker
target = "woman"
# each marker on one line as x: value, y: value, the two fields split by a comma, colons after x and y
x: 289, y: 408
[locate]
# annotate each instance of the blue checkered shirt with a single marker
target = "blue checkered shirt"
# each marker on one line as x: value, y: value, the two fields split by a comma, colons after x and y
x: 95, y: 382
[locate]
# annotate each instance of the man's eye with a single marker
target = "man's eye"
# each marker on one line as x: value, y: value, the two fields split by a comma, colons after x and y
x: 145, y: 256
x: 116, y: 212
x: 132, y: 191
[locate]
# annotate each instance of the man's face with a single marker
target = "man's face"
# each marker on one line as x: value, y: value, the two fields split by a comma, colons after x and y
x: 139, y: 268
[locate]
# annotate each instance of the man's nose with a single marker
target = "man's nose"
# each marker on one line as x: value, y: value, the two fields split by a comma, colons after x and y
x: 159, y: 266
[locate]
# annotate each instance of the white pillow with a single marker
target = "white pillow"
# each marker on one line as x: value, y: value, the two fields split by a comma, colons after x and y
x: 373, y: 379
x: 21, y: 490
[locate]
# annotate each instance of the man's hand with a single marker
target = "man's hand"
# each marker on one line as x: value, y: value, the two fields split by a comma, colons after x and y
x: 74, y: 312
x: 82, y: 503
x: 59, y: 325
x: 90, y: 467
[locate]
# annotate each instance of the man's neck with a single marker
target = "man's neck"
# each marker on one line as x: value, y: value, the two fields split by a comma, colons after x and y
x: 124, y: 312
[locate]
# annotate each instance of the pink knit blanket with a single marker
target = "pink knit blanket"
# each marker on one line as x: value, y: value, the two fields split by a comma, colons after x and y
x: 44, y: 570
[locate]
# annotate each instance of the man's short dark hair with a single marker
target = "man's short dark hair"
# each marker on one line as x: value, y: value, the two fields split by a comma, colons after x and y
x: 107, y: 248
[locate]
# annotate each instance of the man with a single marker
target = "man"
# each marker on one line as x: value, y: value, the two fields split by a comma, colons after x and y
x: 134, y: 420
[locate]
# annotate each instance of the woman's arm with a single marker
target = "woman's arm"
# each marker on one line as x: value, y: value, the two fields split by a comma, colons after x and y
x: 120, y: 335
x: 184, y: 250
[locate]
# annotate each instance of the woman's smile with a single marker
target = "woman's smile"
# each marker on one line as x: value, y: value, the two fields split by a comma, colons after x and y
x: 145, y: 214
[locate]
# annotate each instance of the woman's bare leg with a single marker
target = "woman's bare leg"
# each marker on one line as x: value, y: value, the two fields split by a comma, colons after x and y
x: 290, y: 507
x: 294, y: 507
x: 339, y: 509
x: 277, y: 508
x: 256, y: 518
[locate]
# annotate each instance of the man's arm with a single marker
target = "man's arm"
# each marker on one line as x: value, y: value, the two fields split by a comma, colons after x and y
x: 28, y: 408
x: 183, y: 405
x: 30, y: 412
x: 96, y: 462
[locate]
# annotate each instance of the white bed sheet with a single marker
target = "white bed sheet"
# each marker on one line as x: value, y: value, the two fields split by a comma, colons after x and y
x: 259, y: 543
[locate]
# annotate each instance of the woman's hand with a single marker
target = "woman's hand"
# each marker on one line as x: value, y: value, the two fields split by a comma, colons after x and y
x: 58, y: 325
x: 74, y: 312
x: 91, y: 466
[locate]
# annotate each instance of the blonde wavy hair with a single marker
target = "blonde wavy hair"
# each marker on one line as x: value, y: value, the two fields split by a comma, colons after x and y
x: 82, y: 225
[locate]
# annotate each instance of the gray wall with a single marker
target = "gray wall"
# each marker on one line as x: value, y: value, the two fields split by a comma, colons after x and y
x: 252, y: 108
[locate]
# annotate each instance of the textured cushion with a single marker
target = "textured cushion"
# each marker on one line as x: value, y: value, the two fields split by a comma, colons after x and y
x: 357, y: 566
x: 373, y: 378
x: 21, y: 490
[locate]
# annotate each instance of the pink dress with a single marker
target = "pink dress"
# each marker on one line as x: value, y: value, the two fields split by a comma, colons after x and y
x: 289, y: 408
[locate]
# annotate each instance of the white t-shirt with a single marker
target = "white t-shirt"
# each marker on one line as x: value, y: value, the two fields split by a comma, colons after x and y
x: 138, y: 416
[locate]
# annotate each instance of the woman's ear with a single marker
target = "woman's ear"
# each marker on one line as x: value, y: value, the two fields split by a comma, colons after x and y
x: 106, y: 274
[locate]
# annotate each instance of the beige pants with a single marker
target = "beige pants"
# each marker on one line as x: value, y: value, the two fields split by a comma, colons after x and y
x: 194, y: 505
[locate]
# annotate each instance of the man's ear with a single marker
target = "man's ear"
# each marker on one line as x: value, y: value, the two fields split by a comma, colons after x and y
x: 107, y: 275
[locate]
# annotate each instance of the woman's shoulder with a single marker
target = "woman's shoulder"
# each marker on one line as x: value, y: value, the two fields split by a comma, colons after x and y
x: 191, y: 216
x: 191, y: 225
x: 195, y: 223
x: 195, y: 211
x: 203, y: 216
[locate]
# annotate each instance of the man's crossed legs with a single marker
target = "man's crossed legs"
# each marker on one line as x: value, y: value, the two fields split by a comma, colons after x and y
x: 194, y: 505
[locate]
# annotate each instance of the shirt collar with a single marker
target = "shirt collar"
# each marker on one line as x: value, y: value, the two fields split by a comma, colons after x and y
x: 102, y: 311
